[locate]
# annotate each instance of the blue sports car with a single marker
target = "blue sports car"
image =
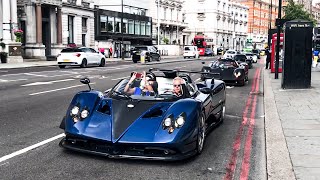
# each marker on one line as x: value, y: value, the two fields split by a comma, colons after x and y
x: 158, y: 126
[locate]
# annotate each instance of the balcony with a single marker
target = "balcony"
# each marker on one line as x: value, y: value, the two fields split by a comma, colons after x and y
x: 49, y: 2
x: 171, y: 22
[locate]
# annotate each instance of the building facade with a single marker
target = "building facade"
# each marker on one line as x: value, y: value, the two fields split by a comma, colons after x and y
x: 167, y: 14
x: 137, y: 25
x: 50, y: 25
x: 224, y: 23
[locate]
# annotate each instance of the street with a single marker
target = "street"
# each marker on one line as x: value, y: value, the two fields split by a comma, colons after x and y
x: 34, y: 101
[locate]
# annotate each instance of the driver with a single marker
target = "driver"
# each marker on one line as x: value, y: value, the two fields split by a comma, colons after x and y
x: 144, y: 89
x: 177, y: 89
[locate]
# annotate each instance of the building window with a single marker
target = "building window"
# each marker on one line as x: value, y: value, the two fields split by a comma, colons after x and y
x: 137, y: 27
x: 103, y: 23
x: 84, y: 25
x: 110, y: 24
x: 131, y: 26
x: 165, y: 13
x: 148, y: 29
x: 125, y: 26
x: 171, y: 14
x: 117, y: 25
x: 143, y: 28
x: 70, y: 29
x: 135, y: 11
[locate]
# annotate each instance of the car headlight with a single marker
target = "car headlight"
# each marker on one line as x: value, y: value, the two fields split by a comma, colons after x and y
x: 180, y: 121
x: 237, y: 74
x: 75, y: 110
x: 167, y: 122
x: 84, y: 114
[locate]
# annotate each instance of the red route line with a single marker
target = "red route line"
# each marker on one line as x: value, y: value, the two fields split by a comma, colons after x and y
x: 245, y: 167
x: 237, y: 143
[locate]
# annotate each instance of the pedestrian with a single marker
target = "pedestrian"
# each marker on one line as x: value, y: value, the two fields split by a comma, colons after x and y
x: 268, y: 59
x: 102, y: 51
x: 110, y: 52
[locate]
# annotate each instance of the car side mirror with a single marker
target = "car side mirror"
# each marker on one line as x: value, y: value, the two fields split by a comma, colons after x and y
x: 205, y: 90
x: 203, y: 62
x: 86, y: 81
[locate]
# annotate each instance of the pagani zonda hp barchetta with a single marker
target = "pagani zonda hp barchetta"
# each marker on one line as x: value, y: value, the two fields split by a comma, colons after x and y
x: 228, y: 70
x: 161, y: 126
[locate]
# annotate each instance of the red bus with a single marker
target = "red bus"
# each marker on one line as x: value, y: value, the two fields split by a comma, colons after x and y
x: 273, y: 52
x: 200, y: 42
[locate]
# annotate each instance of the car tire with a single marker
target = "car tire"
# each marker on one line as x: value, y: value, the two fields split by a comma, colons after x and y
x: 242, y: 82
x: 184, y: 57
x: 159, y: 58
x: 62, y: 66
x: 84, y: 63
x: 195, y: 56
x: 150, y: 59
x: 134, y: 61
x: 223, y: 112
x: 202, y: 78
x: 201, y: 134
x: 103, y: 62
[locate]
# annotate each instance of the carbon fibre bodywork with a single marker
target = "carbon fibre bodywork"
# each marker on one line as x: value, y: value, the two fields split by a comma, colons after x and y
x: 133, y: 128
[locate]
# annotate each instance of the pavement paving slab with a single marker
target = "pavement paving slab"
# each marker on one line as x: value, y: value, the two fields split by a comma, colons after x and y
x: 299, y: 116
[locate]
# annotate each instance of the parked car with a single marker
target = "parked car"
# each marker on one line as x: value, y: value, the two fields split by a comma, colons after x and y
x: 151, y: 53
x: 228, y: 70
x: 230, y: 54
x: 208, y: 52
x: 161, y: 126
x: 80, y: 56
x: 191, y: 51
x: 252, y: 56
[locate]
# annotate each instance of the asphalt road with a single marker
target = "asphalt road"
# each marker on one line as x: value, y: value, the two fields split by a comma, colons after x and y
x: 34, y: 100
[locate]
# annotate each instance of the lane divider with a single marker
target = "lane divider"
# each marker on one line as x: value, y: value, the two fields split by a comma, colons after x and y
x: 17, y: 153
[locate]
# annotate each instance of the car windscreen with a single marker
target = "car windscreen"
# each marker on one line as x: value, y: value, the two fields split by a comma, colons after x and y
x: 255, y: 51
x: 140, y: 48
x: 224, y: 63
x: 187, y: 48
x: 249, y: 54
x: 71, y: 50
x: 231, y: 52
x: 240, y: 58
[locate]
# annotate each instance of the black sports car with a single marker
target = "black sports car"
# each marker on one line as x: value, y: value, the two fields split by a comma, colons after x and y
x: 228, y: 70
x: 241, y: 58
x: 161, y: 126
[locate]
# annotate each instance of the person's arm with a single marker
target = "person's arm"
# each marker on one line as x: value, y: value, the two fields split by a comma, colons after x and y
x: 127, y: 89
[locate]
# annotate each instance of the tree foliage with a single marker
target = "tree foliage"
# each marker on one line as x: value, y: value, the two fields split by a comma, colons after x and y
x: 296, y: 11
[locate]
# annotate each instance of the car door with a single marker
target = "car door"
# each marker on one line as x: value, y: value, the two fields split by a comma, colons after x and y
x: 96, y: 58
x: 217, y: 98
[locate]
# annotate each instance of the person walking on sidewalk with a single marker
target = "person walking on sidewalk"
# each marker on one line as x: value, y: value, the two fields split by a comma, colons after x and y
x: 268, y: 60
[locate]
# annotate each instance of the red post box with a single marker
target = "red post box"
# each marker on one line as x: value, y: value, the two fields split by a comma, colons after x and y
x: 273, y: 52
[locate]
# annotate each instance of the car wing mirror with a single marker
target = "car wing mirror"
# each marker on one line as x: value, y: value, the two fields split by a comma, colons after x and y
x: 203, y: 62
x: 206, y: 90
x: 86, y: 81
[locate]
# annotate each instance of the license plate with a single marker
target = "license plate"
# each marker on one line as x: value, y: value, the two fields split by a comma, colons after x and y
x: 66, y: 60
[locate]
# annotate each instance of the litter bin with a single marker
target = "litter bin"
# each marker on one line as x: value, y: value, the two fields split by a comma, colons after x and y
x: 297, y: 60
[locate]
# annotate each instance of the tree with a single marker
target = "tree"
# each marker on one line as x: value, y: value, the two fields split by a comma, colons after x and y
x: 296, y: 11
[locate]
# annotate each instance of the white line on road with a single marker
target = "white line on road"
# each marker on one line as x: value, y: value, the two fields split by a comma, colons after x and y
x: 39, y: 75
x: 197, y: 80
x: 43, y: 92
x: 4, y: 80
x: 49, y: 82
x: 9, y: 156
x: 119, y: 78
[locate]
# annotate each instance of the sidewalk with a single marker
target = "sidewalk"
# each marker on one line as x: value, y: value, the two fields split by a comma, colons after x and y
x: 292, y: 122
x: 54, y: 63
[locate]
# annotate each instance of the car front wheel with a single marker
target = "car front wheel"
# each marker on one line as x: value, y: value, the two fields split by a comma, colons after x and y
x: 201, y: 134
x: 102, y: 63
x: 84, y: 63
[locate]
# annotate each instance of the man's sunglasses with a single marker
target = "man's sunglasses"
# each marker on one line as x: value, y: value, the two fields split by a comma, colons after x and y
x: 176, y: 85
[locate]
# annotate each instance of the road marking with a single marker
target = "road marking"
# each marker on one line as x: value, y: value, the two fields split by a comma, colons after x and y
x: 43, y: 92
x: 4, y: 71
x: 119, y: 78
x: 4, y: 80
x: 49, y: 82
x: 197, y: 80
x: 39, y: 75
x: 230, y: 87
x: 17, y: 153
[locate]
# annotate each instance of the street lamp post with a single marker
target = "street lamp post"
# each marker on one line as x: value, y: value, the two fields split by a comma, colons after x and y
x: 158, y: 23
x: 122, y: 45
x: 276, y: 75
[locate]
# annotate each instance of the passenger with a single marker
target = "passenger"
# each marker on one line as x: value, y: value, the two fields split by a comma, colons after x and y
x: 144, y: 89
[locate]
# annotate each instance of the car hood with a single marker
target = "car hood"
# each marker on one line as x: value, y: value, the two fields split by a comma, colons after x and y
x: 128, y: 120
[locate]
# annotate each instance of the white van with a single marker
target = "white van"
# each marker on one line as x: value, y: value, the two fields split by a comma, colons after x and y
x: 190, y: 51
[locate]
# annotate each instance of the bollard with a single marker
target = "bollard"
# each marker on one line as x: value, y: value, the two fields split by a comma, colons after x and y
x: 143, y: 57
